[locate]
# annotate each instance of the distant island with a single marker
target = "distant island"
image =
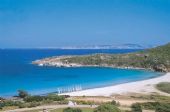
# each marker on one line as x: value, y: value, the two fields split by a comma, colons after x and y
x: 104, y: 46
x: 157, y: 59
x: 114, y: 46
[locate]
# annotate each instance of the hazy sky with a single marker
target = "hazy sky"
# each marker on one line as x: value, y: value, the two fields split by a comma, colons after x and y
x: 52, y: 23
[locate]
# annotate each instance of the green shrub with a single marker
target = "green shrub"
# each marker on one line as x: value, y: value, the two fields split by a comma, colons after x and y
x: 33, y: 98
x: 163, y: 108
x: 113, y: 102
x: 153, y: 105
x: 136, y: 107
x: 55, y: 97
x: 158, y: 106
x: 72, y: 110
x: 150, y: 105
x: 82, y: 102
x: 51, y: 97
x: 107, y: 108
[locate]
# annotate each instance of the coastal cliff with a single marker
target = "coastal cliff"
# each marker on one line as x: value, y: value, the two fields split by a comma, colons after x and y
x: 157, y: 59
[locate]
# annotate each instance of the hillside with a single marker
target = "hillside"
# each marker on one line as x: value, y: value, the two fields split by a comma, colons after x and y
x: 157, y: 59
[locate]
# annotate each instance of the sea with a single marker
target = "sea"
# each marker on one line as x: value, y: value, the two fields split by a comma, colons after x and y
x: 17, y: 72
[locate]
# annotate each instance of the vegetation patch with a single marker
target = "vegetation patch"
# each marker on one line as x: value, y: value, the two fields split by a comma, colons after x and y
x: 25, y: 100
x: 157, y: 106
x: 136, y: 107
x: 164, y: 86
x: 159, y: 98
x: 73, y: 110
x: 107, y: 108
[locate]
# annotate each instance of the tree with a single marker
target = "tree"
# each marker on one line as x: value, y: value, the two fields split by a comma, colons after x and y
x: 72, y: 110
x: 22, y: 94
x: 113, y: 102
x: 107, y: 108
x: 1, y: 99
x: 136, y: 107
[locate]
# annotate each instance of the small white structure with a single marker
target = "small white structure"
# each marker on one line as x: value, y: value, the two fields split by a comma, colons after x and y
x: 70, y: 103
x: 75, y: 104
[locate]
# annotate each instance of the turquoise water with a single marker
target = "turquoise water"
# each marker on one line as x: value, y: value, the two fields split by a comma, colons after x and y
x: 16, y: 73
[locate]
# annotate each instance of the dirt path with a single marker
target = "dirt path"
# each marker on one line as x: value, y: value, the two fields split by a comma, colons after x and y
x: 49, y: 107
x: 122, y: 100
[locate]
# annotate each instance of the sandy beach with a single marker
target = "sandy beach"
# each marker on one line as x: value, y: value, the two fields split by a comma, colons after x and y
x: 144, y: 87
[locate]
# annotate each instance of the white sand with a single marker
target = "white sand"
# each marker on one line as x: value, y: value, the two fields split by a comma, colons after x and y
x: 145, y: 86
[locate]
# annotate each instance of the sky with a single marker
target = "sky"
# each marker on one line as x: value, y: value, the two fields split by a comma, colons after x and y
x: 58, y: 23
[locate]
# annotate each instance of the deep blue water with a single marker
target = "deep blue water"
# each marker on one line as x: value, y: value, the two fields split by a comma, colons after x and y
x: 17, y: 72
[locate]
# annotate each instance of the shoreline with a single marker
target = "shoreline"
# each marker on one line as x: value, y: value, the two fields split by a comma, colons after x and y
x: 143, y: 87
x: 56, y: 62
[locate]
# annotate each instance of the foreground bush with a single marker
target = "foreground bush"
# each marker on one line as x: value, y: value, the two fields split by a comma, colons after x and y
x: 164, y: 86
x: 113, y: 102
x: 158, y: 106
x: 150, y: 105
x: 107, y: 108
x: 154, y: 105
x: 72, y: 110
x: 9, y: 103
x: 163, y: 108
x: 136, y: 107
